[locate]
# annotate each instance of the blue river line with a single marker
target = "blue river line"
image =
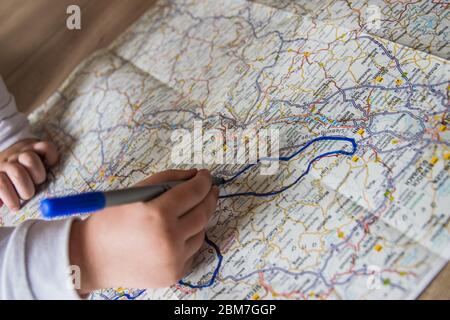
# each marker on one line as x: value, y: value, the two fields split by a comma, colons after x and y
x: 288, y: 158
x: 267, y: 194
x: 215, y: 272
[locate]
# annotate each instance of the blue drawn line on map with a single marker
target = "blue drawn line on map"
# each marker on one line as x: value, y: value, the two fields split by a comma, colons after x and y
x: 287, y: 158
x: 215, y: 272
x: 129, y: 296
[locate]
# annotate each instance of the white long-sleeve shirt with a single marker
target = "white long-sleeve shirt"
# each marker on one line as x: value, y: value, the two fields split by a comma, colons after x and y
x: 34, y: 256
x: 13, y: 125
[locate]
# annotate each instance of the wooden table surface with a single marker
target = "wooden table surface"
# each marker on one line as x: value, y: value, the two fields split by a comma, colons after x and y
x: 37, y: 52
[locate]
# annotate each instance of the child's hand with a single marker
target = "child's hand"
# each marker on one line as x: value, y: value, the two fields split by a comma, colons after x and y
x: 22, y: 167
x: 145, y: 245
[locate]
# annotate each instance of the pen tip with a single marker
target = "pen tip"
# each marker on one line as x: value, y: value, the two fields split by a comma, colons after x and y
x: 217, y: 181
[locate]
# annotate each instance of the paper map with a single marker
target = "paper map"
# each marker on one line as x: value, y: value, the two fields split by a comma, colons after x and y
x: 363, y: 115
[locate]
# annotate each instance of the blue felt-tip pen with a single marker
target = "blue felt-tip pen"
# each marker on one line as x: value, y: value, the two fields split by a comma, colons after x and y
x: 93, y: 201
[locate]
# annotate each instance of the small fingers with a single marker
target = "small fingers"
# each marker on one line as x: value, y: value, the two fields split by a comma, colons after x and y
x: 48, y: 151
x: 8, y: 194
x: 20, y: 179
x: 185, y: 196
x: 196, y: 219
x: 188, y: 266
x: 168, y: 175
x: 33, y: 163
x: 194, y: 244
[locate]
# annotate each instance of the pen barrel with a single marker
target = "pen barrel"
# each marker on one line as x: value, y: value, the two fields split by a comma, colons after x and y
x: 94, y: 201
x: 137, y: 194
x: 64, y: 206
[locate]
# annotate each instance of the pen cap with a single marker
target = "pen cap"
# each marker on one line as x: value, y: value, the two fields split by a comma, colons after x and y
x: 82, y: 203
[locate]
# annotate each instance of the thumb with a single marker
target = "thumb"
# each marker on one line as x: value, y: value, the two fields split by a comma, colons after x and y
x: 169, y: 175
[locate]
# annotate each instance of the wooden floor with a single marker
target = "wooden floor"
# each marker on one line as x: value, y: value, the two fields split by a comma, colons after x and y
x: 37, y: 52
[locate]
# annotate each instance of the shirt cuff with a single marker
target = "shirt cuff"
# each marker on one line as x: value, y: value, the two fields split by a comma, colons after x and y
x: 49, y: 272
x: 35, y: 261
